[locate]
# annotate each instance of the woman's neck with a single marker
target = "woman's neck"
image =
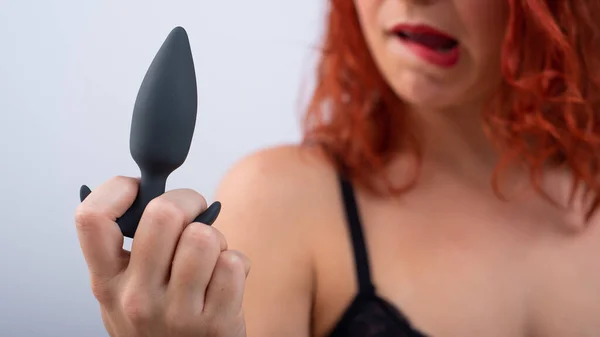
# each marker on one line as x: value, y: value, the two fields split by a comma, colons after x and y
x: 455, y: 138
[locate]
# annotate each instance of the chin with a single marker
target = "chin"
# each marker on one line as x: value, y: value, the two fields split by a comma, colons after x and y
x: 425, y: 91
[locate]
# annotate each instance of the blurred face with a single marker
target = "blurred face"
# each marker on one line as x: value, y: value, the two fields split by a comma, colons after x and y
x: 436, y: 53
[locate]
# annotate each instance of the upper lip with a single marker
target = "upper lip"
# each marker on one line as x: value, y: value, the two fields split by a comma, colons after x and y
x: 420, y: 29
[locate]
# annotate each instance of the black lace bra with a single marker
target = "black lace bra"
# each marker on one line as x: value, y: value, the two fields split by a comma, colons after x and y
x: 368, y: 315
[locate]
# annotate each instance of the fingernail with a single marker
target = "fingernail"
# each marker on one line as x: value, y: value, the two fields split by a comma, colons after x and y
x: 209, y: 216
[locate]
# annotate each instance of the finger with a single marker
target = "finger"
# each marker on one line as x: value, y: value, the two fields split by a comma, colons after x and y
x: 195, y: 258
x: 226, y: 288
x: 159, y: 230
x: 100, y: 238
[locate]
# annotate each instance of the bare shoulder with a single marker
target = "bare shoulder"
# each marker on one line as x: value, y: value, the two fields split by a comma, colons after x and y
x: 274, y: 201
x: 288, y: 171
x: 279, y: 183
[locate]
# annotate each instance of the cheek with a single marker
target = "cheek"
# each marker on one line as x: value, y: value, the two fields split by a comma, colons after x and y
x: 484, y: 22
x: 364, y: 7
x: 367, y: 11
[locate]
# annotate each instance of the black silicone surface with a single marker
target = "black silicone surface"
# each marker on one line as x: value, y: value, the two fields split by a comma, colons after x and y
x: 162, y: 126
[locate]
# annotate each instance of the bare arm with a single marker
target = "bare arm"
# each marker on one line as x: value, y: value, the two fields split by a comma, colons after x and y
x: 266, y: 215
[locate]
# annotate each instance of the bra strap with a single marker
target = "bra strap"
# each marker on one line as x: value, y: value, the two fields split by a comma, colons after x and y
x: 361, y: 258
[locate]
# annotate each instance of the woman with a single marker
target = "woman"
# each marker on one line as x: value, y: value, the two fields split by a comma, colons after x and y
x: 446, y: 187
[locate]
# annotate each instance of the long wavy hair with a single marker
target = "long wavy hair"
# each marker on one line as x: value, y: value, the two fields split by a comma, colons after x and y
x: 546, y: 111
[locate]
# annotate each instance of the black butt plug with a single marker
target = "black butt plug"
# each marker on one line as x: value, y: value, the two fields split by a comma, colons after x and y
x: 162, y: 127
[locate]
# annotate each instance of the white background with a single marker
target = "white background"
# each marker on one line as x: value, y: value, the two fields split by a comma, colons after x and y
x: 69, y: 74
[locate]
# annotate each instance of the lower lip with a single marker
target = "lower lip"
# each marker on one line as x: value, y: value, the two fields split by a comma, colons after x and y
x: 441, y: 59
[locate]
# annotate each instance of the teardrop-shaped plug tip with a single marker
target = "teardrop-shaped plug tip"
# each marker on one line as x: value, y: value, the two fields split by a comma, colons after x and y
x: 164, y: 114
x: 178, y: 41
x: 179, y: 32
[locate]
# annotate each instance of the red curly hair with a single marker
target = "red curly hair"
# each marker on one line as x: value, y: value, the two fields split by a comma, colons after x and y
x: 544, y: 113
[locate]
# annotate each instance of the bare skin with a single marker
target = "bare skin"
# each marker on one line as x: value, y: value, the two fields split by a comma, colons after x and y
x: 449, y: 254
x: 455, y: 259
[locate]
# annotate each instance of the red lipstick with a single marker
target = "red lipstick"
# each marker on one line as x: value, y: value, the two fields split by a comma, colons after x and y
x: 430, y: 44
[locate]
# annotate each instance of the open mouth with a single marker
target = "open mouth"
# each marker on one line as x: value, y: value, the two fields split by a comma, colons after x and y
x: 436, y: 42
x: 429, y: 44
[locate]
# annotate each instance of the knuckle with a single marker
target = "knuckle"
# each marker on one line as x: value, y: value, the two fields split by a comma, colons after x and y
x: 163, y: 210
x: 231, y: 262
x: 137, y: 307
x: 101, y: 292
x: 122, y: 180
x: 117, y: 179
x: 200, y: 234
x: 127, y: 185
x: 196, y: 194
x: 86, y: 217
